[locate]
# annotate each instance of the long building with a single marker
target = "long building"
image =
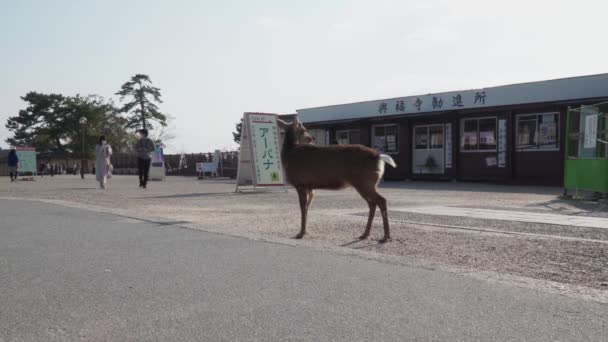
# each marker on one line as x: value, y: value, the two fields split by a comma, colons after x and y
x: 514, y: 133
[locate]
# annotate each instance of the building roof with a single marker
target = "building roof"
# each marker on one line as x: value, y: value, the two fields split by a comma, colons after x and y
x: 556, y: 90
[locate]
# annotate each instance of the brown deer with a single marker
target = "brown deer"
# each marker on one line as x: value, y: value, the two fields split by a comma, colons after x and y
x: 309, y: 167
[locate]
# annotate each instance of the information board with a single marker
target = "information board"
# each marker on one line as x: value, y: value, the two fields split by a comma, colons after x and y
x: 260, y: 152
x: 27, y: 160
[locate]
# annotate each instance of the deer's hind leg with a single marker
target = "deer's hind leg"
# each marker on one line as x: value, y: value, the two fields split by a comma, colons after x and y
x: 381, y: 201
x: 370, y: 219
x: 373, y: 198
x: 305, y: 197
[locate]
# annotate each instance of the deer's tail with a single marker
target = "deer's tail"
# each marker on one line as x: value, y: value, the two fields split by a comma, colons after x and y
x: 388, y: 160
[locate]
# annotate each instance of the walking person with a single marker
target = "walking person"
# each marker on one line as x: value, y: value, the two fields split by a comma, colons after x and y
x: 41, y: 170
x: 103, y: 166
x: 13, y: 164
x: 143, y: 148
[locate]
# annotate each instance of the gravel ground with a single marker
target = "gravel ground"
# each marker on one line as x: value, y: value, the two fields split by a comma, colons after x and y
x: 570, y: 255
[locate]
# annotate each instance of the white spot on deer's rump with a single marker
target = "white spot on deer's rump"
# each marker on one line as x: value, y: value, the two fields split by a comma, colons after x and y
x: 380, y: 168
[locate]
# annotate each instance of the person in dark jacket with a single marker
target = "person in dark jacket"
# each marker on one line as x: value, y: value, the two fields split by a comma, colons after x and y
x: 143, y: 149
x: 13, y: 164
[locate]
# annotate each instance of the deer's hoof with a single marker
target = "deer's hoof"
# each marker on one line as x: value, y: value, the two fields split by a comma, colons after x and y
x: 364, y: 236
x: 300, y: 235
x: 385, y: 239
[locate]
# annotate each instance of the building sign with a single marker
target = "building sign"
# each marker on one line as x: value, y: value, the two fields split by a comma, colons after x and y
x: 430, y: 103
x: 260, y: 152
x: 448, y: 146
x: 267, y: 156
x: 502, y: 143
x: 27, y: 160
x: 590, y: 131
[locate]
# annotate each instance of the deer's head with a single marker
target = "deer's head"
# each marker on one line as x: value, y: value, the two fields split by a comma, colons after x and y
x: 296, y: 132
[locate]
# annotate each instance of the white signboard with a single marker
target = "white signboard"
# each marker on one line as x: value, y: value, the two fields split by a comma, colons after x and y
x: 590, y: 131
x: 448, y: 146
x: 206, y: 167
x: 502, y: 143
x: 183, y: 163
x: 260, y: 153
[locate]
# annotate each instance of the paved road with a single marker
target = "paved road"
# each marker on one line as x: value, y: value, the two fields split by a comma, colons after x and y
x: 69, y: 275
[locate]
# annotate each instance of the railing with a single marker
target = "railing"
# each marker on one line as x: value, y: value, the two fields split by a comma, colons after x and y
x: 127, y: 163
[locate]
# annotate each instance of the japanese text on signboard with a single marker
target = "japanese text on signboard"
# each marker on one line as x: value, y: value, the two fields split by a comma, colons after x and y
x: 265, y: 139
x: 433, y: 103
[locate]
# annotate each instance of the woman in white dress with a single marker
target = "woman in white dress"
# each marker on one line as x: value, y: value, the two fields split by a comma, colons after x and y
x: 103, y: 167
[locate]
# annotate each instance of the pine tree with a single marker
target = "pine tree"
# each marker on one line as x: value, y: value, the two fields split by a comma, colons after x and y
x: 141, y: 107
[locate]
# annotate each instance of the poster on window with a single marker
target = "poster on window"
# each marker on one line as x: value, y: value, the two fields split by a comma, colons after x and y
x: 491, y: 161
x: 421, y: 139
x: 547, y: 134
x: 470, y: 139
x: 590, y: 131
x: 391, y: 143
x: 487, y: 138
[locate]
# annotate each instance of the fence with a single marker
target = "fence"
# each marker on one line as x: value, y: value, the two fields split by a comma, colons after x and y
x: 127, y: 163
x: 61, y: 163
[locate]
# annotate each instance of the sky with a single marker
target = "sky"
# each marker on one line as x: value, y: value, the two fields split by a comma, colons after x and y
x: 214, y: 60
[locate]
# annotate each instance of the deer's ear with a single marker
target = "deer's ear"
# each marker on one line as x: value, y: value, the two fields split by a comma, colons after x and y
x: 283, y: 124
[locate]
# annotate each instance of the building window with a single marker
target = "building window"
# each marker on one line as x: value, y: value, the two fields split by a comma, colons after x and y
x: 348, y: 136
x: 428, y: 137
x: 385, y: 138
x: 436, y: 135
x: 421, y: 138
x: 478, y: 135
x: 320, y: 136
x: 342, y: 137
x: 538, y: 132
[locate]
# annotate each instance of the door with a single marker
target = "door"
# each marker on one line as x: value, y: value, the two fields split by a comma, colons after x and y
x: 429, y: 149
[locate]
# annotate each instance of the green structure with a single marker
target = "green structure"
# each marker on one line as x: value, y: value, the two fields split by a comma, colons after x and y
x: 586, y: 165
x: 27, y: 160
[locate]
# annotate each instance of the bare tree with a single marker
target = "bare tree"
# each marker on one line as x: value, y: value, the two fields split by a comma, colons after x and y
x: 165, y: 135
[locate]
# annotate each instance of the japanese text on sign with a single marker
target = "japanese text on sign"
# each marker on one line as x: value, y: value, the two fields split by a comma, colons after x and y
x: 267, y: 157
x: 435, y: 102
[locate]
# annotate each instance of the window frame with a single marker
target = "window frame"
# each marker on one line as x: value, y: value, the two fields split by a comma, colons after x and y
x: 430, y: 145
x: 373, y: 136
x: 462, y: 121
x: 347, y: 131
x: 428, y: 137
x: 313, y: 132
x: 532, y: 148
